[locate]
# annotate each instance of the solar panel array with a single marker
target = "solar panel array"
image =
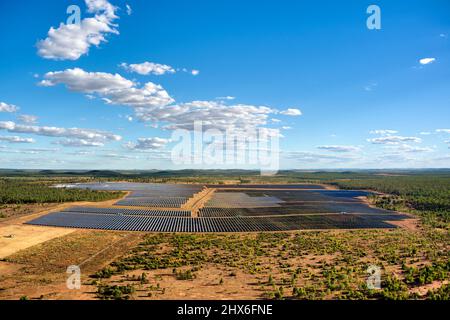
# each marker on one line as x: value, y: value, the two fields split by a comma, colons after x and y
x: 252, y: 208
x: 294, y: 209
x: 265, y: 186
x: 163, y: 202
x: 151, y: 194
x: 135, y: 212
x: 240, y: 200
x: 235, y: 224
x: 153, y: 188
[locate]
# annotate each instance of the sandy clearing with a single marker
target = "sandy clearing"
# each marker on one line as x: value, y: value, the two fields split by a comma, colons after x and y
x: 408, y: 224
x: 14, y: 238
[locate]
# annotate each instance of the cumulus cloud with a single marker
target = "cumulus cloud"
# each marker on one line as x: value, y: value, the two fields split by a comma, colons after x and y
x: 338, y: 148
x: 148, y: 144
x: 443, y: 130
x: 87, y: 82
x: 152, y: 104
x: 426, y: 61
x: 291, y: 112
x: 6, y: 107
x: 27, y: 118
x: 393, y: 140
x: 71, y: 41
x: 147, y: 68
x: 71, y: 133
x: 16, y: 139
x: 212, y: 114
x: 112, y: 88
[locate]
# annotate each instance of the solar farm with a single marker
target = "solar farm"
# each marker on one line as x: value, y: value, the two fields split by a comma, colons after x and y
x: 227, y: 208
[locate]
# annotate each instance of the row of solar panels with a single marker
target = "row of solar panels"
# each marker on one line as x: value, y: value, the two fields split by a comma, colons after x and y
x: 167, y: 202
x: 180, y: 224
x: 139, y: 187
x: 162, y: 213
x: 240, y: 200
x: 265, y: 186
x: 155, y: 194
x: 295, y: 209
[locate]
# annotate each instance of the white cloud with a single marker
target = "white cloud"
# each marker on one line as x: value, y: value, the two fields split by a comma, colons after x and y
x: 28, y: 150
x: 213, y: 114
x: 79, y: 143
x: 275, y: 120
x: 383, y: 132
x: 87, y: 82
x: 393, y: 140
x: 112, y: 88
x: 338, y: 148
x: 71, y: 133
x: 370, y: 87
x: 148, y: 143
x: 193, y: 72
x: 147, y: 68
x: 70, y: 42
x: 226, y: 98
x: 129, y: 10
x: 304, y: 156
x: 115, y: 156
x: 409, y: 149
x: 5, y: 107
x: 443, y: 130
x: 426, y: 61
x: 16, y: 139
x: 425, y: 133
x: 27, y: 118
x: 291, y: 112
x: 151, y: 103
x: 286, y: 128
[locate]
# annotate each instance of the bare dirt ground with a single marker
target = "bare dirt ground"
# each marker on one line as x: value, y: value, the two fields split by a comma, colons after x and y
x: 14, y: 238
x: 198, y: 201
x: 39, y: 272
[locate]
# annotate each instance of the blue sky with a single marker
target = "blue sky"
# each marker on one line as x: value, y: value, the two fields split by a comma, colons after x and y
x: 357, y: 98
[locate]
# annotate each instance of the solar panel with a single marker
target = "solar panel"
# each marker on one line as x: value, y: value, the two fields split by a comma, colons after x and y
x: 180, y: 213
x: 187, y: 224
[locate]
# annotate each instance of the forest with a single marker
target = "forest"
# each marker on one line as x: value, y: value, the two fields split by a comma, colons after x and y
x: 17, y: 191
x: 425, y: 195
